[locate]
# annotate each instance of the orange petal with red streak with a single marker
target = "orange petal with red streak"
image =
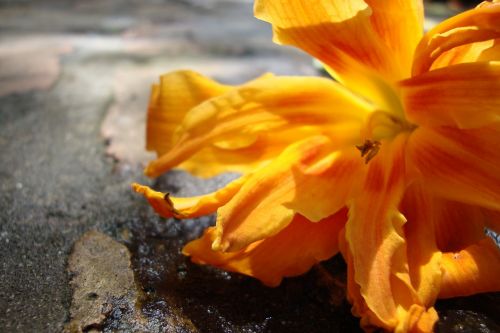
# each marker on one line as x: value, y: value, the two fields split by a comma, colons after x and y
x: 311, y: 178
x: 244, y: 119
x: 460, y: 165
x: 475, y: 25
x: 473, y: 270
x: 170, y: 100
x: 290, y: 252
x: 463, y: 96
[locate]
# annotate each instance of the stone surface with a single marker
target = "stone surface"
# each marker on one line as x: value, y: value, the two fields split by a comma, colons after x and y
x: 102, y: 281
x: 29, y: 64
x: 105, y: 294
x: 463, y: 321
x: 71, y: 144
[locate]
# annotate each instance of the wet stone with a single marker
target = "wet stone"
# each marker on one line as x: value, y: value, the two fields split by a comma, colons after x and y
x: 102, y: 280
x: 478, y: 313
x: 464, y: 321
x: 105, y: 295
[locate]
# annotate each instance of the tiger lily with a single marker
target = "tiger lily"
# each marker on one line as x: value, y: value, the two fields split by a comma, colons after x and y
x: 394, y: 163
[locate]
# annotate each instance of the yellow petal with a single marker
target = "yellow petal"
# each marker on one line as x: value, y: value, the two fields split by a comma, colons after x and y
x: 400, y: 25
x: 488, y: 50
x: 460, y: 165
x: 310, y: 178
x: 291, y: 252
x: 170, y: 100
x: 416, y: 319
x: 476, y: 25
x: 234, y: 121
x: 213, y: 160
x: 424, y: 256
x: 376, y: 241
x: 367, y: 46
x: 168, y: 206
x: 380, y: 35
x: 464, y: 96
x: 420, y: 320
x: 436, y: 225
x: 472, y: 270
x: 373, y: 87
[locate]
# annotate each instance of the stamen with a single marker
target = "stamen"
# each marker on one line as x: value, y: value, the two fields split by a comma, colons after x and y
x: 369, y: 149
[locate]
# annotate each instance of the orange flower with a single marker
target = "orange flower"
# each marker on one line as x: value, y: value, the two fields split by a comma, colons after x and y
x: 408, y: 215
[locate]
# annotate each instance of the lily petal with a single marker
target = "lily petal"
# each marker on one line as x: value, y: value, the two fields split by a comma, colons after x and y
x: 168, y: 206
x: 416, y: 319
x: 460, y: 165
x: 270, y: 198
x: 290, y: 252
x: 424, y: 256
x: 212, y: 160
x: 475, y: 269
x: 400, y: 25
x: 376, y: 241
x: 464, y: 95
x: 488, y: 50
x: 476, y: 25
x: 492, y: 220
x: 170, y: 100
x: 385, y: 35
x: 233, y: 122
x: 458, y: 225
x: 326, y: 29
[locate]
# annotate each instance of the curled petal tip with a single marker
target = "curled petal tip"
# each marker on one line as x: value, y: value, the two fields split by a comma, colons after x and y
x: 138, y: 188
x: 218, y: 244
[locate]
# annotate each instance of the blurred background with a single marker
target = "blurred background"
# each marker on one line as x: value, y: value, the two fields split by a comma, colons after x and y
x: 78, y: 251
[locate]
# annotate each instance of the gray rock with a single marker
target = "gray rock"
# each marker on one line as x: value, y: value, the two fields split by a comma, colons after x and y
x: 102, y: 281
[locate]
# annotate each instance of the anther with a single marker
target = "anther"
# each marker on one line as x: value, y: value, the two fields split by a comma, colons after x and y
x: 369, y: 149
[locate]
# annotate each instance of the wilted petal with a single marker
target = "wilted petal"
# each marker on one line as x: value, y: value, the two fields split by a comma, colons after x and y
x: 231, y: 125
x: 424, y: 255
x: 399, y: 24
x: 458, y: 225
x: 447, y: 247
x: 488, y: 50
x: 310, y: 178
x: 213, y: 160
x: 170, y: 100
x: 460, y: 165
x: 380, y: 35
x: 476, y: 25
x: 326, y: 30
x: 475, y: 269
x: 376, y: 241
x: 492, y: 220
x: 168, y: 206
x: 290, y: 252
x: 417, y: 318
x: 465, y: 96
x: 367, y: 46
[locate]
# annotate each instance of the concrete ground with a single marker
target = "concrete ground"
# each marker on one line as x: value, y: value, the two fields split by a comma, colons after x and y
x: 79, y: 252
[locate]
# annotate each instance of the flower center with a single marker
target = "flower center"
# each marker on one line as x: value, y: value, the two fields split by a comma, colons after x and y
x: 381, y: 125
x: 384, y: 125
